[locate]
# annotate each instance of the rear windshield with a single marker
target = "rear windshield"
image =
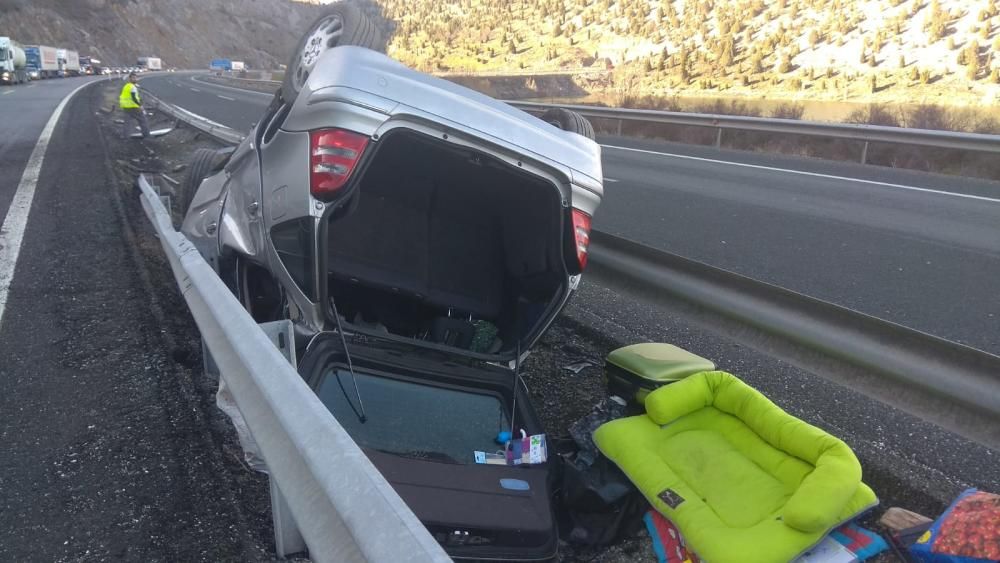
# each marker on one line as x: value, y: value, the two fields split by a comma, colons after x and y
x: 414, y: 420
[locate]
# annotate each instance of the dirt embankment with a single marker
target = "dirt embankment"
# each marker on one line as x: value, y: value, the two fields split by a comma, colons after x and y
x: 522, y: 87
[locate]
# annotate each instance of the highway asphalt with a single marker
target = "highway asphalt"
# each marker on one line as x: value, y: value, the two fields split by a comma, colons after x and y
x: 111, y: 447
x: 25, y: 109
x: 919, y: 249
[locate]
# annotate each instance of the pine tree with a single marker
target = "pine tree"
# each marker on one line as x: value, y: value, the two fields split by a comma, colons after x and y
x: 937, y: 23
x: 785, y: 65
x: 726, y: 58
x: 972, y: 61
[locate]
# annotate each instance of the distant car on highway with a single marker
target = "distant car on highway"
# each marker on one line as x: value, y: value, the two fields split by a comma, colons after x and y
x: 421, y: 237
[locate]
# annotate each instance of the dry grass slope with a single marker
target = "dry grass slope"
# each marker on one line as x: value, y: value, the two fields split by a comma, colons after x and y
x: 818, y: 49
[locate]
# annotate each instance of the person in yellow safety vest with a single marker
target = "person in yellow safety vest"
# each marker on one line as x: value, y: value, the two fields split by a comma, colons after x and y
x: 131, y: 104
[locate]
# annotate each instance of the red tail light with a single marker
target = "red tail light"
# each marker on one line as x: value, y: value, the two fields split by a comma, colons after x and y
x: 333, y: 154
x: 581, y: 231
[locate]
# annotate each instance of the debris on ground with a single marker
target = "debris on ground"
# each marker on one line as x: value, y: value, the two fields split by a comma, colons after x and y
x: 577, y: 367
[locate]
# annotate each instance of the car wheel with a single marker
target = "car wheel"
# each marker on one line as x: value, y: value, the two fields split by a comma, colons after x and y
x: 340, y: 24
x: 203, y: 163
x: 571, y: 121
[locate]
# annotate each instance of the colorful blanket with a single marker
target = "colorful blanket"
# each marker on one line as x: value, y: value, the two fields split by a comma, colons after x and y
x: 669, y: 546
x: 859, y: 541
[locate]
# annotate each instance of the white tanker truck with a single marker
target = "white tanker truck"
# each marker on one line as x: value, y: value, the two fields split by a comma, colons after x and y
x: 12, y: 62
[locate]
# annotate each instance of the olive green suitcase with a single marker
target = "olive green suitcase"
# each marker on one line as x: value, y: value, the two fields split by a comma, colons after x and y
x: 633, y: 371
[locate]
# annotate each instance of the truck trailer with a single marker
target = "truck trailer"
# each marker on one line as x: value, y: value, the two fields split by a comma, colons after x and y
x: 13, y: 63
x: 150, y: 63
x: 221, y: 64
x: 43, y: 58
x: 69, y: 62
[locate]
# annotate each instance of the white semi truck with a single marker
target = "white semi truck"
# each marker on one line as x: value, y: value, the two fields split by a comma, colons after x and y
x: 12, y: 62
x: 69, y: 62
x: 150, y: 63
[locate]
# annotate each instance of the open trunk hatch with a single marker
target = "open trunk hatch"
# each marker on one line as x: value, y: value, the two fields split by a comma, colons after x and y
x: 423, y: 421
x: 445, y: 245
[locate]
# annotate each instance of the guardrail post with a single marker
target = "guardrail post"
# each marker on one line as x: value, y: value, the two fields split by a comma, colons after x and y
x: 620, y: 127
x: 864, y: 154
x: 287, y: 539
x: 718, y: 138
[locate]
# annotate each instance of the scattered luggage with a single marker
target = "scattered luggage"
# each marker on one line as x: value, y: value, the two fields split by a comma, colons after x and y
x: 603, y: 506
x: 634, y: 371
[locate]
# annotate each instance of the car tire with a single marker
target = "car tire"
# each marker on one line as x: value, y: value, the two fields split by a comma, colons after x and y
x: 340, y: 24
x: 571, y: 121
x: 203, y: 163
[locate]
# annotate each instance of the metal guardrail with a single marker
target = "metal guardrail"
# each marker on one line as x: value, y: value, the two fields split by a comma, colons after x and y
x: 862, y: 133
x: 326, y: 495
x: 215, y: 130
x: 963, y: 382
x: 866, y: 134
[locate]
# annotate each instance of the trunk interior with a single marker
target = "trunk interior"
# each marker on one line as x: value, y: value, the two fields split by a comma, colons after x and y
x: 423, y: 422
x: 446, y: 245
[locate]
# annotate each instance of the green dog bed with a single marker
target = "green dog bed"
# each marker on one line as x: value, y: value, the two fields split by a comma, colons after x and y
x: 741, y: 479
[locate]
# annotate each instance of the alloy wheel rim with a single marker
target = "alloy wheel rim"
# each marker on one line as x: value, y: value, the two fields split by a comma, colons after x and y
x: 325, y: 36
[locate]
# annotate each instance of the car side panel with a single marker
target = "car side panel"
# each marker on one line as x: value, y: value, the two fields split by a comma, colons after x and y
x: 202, y: 220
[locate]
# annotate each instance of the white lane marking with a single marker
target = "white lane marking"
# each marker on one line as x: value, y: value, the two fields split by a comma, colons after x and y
x: 225, y: 97
x: 194, y: 78
x: 804, y: 173
x: 12, y: 231
x: 195, y: 90
x: 5, y: 92
x: 611, y: 180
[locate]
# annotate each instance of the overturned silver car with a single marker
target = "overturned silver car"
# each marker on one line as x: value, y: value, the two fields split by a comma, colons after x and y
x: 421, y: 237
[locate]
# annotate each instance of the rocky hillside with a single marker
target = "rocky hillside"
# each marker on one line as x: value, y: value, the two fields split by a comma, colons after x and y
x: 184, y: 33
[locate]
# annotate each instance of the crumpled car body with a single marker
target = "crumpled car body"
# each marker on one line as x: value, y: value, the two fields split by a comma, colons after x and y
x: 442, y: 231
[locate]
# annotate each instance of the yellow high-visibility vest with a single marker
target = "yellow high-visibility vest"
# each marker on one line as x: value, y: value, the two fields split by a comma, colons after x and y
x: 125, y: 99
